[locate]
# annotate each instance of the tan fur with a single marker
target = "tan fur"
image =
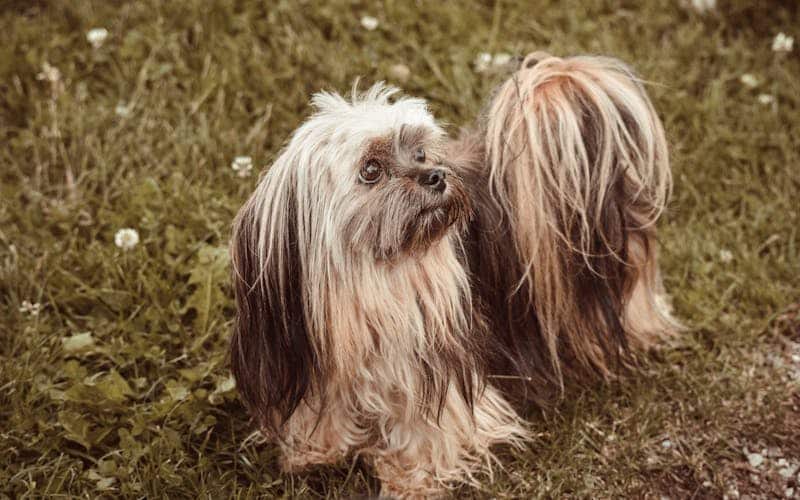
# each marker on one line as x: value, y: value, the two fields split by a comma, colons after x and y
x: 577, y: 169
x: 373, y: 402
x: 367, y: 302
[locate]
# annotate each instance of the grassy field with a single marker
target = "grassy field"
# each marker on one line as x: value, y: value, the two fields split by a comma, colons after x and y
x: 113, y: 371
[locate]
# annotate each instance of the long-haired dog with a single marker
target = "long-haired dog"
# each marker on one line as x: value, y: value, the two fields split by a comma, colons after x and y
x: 355, y: 332
x: 568, y: 171
x: 389, y: 282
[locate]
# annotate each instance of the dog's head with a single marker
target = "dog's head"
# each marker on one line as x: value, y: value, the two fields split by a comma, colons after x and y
x: 360, y: 187
x: 367, y: 177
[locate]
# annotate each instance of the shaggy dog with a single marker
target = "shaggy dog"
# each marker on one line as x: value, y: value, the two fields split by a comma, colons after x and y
x: 395, y: 291
x: 355, y: 332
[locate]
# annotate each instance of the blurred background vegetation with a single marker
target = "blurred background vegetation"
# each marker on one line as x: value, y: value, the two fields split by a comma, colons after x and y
x: 113, y: 371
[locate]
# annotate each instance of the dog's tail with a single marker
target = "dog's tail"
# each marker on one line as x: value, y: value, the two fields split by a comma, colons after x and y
x: 579, y: 167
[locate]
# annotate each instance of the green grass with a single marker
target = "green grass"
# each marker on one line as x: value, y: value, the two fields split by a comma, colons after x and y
x: 146, y: 409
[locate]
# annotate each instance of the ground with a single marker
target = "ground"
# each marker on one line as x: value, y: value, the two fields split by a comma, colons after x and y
x: 113, y: 371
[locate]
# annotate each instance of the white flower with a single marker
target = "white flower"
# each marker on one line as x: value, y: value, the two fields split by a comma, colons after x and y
x: 749, y: 80
x: 369, y: 23
x: 399, y: 72
x: 755, y: 459
x: 725, y: 256
x: 242, y: 165
x: 123, y: 110
x: 782, y: 43
x: 704, y: 5
x: 97, y: 36
x: 52, y: 75
x: 666, y: 444
x: 501, y: 59
x: 482, y: 62
x: 30, y: 308
x: 49, y: 73
x: 126, y: 238
x: 766, y: 99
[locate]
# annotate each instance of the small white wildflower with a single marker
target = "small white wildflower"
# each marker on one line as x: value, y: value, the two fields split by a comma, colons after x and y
x: 242, y: 165
x: 399, y: 72
x: 749, y: 80
x: 49, y: 73
x: 126, y: 238
x: 96, y: 37
x: 782, y: 43
x: 725, y: 256
x: 123, y: 110
x: 482, y: 62
x: 755, y: 459
x: 666, y: 444
x: 30, y: 308
x: 52, y: 75
x: 766, y: 99
x: 501, y: 59
x: 704, y: 5
x: 369, y: 23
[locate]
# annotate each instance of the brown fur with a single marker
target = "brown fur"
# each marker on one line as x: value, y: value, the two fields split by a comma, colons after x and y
x: 568, y: 172
x: 355, y: 332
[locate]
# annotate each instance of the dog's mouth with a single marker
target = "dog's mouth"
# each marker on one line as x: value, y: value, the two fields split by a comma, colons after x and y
x: 434, y: 221
x: 444, y: 214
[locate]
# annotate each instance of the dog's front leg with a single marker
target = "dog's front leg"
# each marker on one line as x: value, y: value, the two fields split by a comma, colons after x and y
x: 422, y: 456
x: 419, y: 457
x: 406, y: 474
x: 313, y: 439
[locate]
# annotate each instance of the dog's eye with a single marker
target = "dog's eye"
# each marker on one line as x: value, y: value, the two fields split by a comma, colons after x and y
x: 370, y: 172
x: 419, y: 155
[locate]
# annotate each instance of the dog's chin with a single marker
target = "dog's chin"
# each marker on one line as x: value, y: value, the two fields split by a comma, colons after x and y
x: 433, y: 223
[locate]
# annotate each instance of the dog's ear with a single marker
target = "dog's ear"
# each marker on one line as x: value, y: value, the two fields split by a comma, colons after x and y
x: 272, y: 355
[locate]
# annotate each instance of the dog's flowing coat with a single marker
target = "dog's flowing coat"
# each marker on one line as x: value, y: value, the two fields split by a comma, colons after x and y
x: 568, y: 171
x: 355, y: 331
x: 387, y: 281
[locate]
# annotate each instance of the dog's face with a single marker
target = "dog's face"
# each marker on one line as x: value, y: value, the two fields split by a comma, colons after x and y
x: 369, y: 178
x: 402, y: 196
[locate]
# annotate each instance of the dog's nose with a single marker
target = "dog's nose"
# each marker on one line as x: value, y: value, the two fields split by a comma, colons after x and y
x: 434, y: 180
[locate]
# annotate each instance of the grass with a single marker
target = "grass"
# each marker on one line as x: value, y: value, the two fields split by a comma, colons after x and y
x: 120, y: 384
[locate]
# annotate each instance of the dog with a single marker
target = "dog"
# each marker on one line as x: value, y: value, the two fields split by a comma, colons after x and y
x: 355, y: 332
x: 568, y: 171
x: 401, y: 297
